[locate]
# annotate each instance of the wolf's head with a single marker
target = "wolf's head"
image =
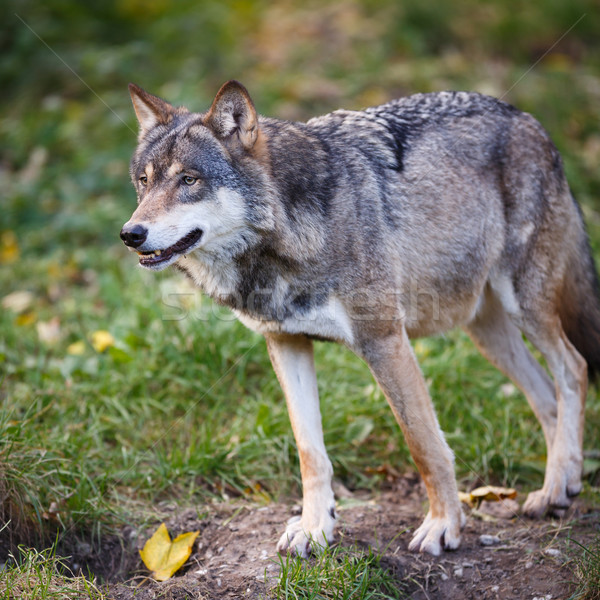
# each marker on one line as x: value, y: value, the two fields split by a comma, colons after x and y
x: 200, y: 179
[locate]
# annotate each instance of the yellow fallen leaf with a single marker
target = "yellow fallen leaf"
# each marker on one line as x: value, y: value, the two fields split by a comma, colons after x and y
x: 487, y: 492
x: 492, y: 492
x: 465, y: 497
x: 102, y: 340
x: 76, y: 348
x: 163, y: 556
x: 27, y: 318
x: 9, y: 247
x: 421, y: 348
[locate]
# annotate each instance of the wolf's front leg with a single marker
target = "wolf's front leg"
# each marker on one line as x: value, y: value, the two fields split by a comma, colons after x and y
x: 394, y: 365
x: 292, y: 358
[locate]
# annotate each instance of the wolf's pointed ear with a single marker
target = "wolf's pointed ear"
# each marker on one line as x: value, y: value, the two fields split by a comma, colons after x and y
x: 232, y: 115
x: 150, y: 110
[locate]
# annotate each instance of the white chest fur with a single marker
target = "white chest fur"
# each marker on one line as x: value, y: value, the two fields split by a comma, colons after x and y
x: 329, y: 321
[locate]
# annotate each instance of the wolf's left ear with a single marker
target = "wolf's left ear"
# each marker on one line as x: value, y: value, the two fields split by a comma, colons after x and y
x: 150, y: 110
x: 232, y: 115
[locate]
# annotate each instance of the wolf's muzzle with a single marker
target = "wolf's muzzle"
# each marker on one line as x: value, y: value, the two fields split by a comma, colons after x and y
x: 134, y: 235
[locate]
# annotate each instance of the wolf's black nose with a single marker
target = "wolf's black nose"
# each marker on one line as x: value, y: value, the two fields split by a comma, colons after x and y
x: 134, y: 235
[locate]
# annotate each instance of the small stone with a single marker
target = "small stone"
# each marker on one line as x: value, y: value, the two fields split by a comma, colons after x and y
x: 84, y: 549
x: 503, y: 509
x: 264, y: 555
x: 553, y: 552
x: 495, y: 588
x: 341, y: 491
x: 529, y: 564
x: 488, y: 540
x: 458, y: 572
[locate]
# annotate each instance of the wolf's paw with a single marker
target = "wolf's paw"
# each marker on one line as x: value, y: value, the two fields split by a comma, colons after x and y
x: 561, y: 484
x: 301, y: 539
x: 553, y: 500
x: 437, y: 534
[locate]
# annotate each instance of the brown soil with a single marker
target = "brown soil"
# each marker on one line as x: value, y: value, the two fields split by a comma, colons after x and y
x: 235, y: 553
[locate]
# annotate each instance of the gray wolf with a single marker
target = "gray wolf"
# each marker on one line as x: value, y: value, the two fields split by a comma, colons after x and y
x: 368, y: 228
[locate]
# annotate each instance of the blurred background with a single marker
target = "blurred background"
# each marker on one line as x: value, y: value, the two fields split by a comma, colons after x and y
x: 65, y: 132
x: 91, y: 370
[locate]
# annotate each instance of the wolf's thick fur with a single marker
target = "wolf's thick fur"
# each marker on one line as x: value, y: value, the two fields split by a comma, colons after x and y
x: 368, y: 228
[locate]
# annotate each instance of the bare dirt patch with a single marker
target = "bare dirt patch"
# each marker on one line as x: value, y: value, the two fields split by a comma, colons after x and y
x: 235, y: 553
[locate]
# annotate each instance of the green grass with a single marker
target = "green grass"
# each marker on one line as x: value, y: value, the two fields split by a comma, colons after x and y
x: 191, y: 408
x: 184, y: 406
x: 337, y: 573
x: 34, y: 575
x: 587, y: 570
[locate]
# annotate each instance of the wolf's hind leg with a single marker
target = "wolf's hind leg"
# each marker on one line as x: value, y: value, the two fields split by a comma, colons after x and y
x: 395, y: 368
x: 565, y: 457
x: 501, y: 342
x: 292, y: 359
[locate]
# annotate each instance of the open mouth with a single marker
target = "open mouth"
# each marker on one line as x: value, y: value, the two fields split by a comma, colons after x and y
x: 156, y: 257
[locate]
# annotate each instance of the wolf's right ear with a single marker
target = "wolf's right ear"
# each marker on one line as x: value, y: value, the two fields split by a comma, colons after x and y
x: 150, y: 110
x: 233, y: 116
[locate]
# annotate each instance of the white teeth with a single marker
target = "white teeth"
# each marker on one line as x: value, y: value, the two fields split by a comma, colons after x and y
x: 148, y: 254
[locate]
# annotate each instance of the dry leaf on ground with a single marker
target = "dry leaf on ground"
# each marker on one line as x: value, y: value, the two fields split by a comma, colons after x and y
x: 49, y: 332
x: 163, y: 556
x: 102, y: 340
x: 19, y: 301
x: 487, y: 492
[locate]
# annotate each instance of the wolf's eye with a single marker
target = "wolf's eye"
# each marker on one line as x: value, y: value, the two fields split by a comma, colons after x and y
x: 144, y: 180
x: 189, y: 180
